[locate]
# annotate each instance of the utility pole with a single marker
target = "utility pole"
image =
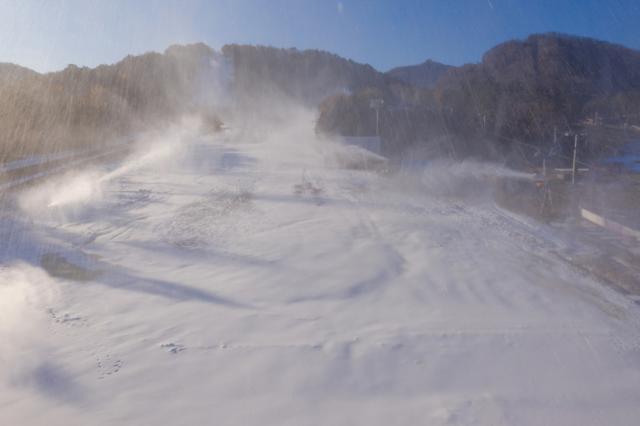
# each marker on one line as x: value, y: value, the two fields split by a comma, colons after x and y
x: 575, y: 152
x: 544, y: 156
x: 377, y: 104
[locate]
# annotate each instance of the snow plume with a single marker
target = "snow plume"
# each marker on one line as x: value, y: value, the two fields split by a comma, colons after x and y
x: 26, y: 292
x: 76, y: 190
x: 450, y: 178
x: 215, y: 82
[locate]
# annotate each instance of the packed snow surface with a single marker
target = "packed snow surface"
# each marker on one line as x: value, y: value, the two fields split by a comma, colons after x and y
x: 239, y: 281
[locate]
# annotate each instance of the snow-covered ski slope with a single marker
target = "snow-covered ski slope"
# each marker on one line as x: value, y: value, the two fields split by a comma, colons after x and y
x: 235, y: 281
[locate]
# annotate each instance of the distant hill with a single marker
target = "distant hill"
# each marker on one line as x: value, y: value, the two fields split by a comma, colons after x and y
x: 524, y: 87
x: 82, y: 106
x: 521, y: 90
x: 307, y: 76
x: 552, y: 60
x: 424, y: 75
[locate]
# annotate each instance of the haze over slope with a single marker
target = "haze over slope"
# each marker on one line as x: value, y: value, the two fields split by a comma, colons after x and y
x: 267, y: 274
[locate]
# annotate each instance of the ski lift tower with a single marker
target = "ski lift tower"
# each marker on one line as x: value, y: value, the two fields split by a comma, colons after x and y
x: 377, y: 105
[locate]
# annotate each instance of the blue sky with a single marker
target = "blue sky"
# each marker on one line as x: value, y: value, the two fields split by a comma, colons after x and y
x: 49, y: 34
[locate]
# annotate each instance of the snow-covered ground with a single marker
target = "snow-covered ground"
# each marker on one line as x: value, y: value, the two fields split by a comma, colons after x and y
x: 234, y: 281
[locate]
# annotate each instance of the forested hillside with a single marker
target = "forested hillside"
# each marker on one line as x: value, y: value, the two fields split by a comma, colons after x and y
x: 522, y: 90
x: 424, y: 75
x: 81, y: 107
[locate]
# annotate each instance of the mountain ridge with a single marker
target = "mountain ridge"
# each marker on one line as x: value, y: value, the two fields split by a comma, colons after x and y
x: 520, y: 89
x: 425, y: 74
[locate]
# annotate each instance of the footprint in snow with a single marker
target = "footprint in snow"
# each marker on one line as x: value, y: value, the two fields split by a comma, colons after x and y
x: 108, y: 366
x: 67, y: 319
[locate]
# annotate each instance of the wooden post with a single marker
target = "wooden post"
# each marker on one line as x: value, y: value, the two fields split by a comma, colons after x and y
x: 573, y: 167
